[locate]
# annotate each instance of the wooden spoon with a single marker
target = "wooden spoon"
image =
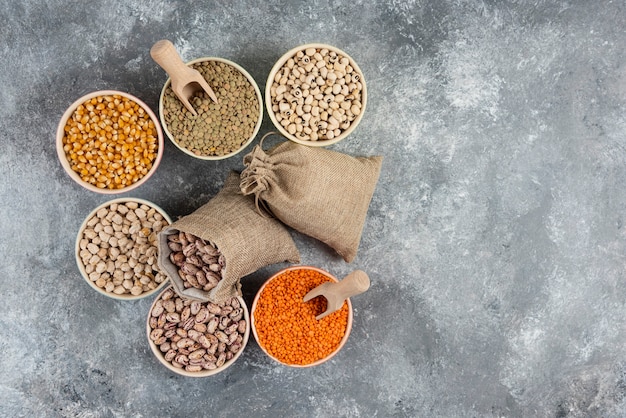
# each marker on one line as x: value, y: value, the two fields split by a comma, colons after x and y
x: 185, y: 80
x: 336, y: 293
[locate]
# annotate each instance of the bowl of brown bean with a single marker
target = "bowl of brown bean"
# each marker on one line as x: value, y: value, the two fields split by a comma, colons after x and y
x: 197, y: 339
x: 116, y: 248
x: 286, y: 328
x: 222, y: 129
x: 109, y: 142
x: 315, y: 95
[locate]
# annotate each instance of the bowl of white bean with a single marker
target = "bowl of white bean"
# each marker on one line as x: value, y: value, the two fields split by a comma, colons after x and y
x: 116, y: 248
x: 315, y: 95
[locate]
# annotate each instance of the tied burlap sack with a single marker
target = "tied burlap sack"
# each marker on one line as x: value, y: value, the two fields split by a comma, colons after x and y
x: 318, y: 192
x: 247, y: 239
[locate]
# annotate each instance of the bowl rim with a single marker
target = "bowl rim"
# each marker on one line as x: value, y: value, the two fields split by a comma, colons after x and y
x: 60, y: 134
x: 254, y: 132
x: 79, y: 261
x: 348, y: 325
x: 268, y: 97
x: 203, y: 373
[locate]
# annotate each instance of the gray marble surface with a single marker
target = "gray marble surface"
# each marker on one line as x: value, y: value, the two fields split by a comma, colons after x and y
x: 495, y: 240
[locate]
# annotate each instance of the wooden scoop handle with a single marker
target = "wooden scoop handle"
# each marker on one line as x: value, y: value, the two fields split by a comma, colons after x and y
x: 336, y: 293
x: 164, y: 53
x: 184, y: 78
x: 353, y: 284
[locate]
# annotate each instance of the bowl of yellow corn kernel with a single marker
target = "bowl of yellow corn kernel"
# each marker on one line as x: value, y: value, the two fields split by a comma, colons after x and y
x: 109, y: 142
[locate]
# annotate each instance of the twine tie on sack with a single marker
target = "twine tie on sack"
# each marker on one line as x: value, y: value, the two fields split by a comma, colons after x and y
x: 258, y: 176
x: 255, y: 179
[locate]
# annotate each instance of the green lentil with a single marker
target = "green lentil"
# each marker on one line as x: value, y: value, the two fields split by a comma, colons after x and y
x: 220, y: 128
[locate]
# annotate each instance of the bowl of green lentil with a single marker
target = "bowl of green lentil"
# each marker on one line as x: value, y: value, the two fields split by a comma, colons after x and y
x: 222, y: 129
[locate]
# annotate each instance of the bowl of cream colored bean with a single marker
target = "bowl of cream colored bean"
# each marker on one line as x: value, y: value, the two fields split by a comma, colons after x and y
x: 116, y: 248
x: 315, y: 95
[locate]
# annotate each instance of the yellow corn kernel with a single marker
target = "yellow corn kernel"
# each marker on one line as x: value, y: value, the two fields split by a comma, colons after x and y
x: 110, y: 141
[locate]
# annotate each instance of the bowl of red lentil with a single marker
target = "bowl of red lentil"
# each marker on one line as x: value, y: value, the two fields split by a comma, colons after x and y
x: 109, y: 142
x: 315, y: 95
x: 285, y: 327
x: 220, y: 130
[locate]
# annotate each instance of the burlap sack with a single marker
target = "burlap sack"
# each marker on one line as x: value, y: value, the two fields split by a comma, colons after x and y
x: 318, y: 192
x: 248, y: 240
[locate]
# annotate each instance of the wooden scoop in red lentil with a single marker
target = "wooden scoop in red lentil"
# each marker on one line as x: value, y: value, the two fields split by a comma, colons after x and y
x: 336, y: 293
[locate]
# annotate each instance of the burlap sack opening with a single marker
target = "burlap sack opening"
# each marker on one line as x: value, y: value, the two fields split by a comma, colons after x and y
x: 321, y: 193
x: 247, y: 239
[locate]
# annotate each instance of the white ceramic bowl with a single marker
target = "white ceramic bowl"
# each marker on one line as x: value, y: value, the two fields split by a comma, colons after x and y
x: 202, y: 373
x: 269, y: 99
x: 247, y: 141
x: 82, y: 267
x: 60, y: 134
x: 322, y: 360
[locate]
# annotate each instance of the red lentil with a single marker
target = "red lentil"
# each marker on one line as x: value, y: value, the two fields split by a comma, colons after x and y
x: 286, y: 326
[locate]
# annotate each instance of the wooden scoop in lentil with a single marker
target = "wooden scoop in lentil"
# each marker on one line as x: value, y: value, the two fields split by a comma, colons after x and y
x: 219, y: 128
x: 287, y: 327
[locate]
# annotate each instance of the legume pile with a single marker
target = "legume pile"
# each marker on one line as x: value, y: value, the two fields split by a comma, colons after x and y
x: 286, y: 326
x: 317, y: 94
x: 118, y: 248
x: 196, y: 335
x: 220, y: 128
x: 110, y: 141
x: 199, y: 263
